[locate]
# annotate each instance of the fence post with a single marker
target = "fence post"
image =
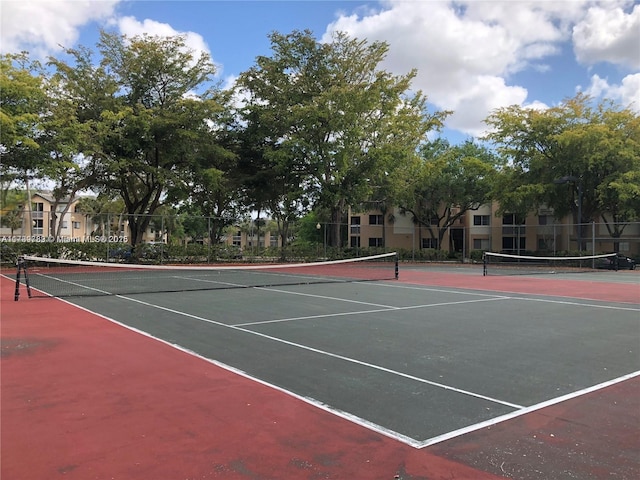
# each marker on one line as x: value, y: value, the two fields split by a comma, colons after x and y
x: 593, y: 243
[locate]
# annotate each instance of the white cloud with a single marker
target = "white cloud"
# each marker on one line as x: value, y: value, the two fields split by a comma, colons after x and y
x: 477, y: 100
x: 627, y: 93
x: 41, y: 26
x: 467, y: 52
x: 609, y: 35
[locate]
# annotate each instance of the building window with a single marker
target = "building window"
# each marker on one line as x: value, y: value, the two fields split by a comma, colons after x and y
x: 545, y: 244
x: 510, y: 244
x: 237, y: 239
x: 481, y: 244
x: 38, y: 210
x: 545, y: 219
x: 375, y: 242
x: 273, y: 240
x: 355, y: 225
x: 376, y: 219
x: 512, y: 219
x: 513, y: 225
x: 38, y: 226
x: 355, y: 242
x: 482, y: 220
x: 430, y: 243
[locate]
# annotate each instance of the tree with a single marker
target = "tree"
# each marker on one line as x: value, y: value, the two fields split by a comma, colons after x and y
x: 104, y: 212
x: 334, y: 121
x: 596, y: 146
x: 12, y: 206
x: 151, y: 109
x: 445, y: 183
x: 214, y: 194
x: 215, y: 186
x: 22, y: 108
x: 76, y: 97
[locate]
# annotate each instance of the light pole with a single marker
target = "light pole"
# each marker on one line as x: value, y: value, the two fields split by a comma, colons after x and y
x: 575, y: 180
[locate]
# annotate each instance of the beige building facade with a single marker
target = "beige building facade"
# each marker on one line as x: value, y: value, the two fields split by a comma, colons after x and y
x: 485, y: 230
x: 476, y: 230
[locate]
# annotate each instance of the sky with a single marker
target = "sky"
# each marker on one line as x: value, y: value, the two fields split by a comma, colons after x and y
x: 472, y: 57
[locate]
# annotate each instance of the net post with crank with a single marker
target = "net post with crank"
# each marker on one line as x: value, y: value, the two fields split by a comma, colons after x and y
x: 21, y: 265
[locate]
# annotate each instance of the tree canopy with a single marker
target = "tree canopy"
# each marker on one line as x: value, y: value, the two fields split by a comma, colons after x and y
x: 596, y: 146
x: 146, y: 109
x: 312, y: 128
x: 445, y: 182
x: 333, y: 121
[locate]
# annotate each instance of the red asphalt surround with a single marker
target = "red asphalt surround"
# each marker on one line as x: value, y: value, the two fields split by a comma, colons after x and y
x: 84, y: 398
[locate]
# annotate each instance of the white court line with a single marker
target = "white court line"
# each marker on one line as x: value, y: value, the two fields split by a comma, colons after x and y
x: 363, y: 312
x: 310, y: 401
x: 438, y: 290
x: 520, y: 410
x: 526, y: 410
x: 566, y: 302
x: 325, y: 297
x: 409, y: 286
x: 510, y: 295
x: 86, y: 287
x: 328, y: 354
x: 203, y: 280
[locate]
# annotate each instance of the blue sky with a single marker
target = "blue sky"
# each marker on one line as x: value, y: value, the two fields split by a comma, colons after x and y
x: 472, y: 56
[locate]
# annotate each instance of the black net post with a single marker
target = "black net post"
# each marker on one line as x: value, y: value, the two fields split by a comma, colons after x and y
x: 16, y: 295
x: 484, y: 264
x: 21, y: 269
x: 397, y: 274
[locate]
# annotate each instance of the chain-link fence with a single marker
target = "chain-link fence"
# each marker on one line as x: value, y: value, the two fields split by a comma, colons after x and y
x: 184, y: 238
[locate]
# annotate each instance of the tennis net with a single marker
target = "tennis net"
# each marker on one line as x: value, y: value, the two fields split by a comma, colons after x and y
x: 68, y: 278
x: 507, y: 264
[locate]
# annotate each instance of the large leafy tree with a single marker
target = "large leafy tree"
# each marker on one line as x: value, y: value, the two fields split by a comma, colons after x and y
x: 12, y: 205
x: 103, y: 212
x: 77, y: 95
x: 335, y: 120
x: 42, y: 136
x: 445, y: 183
x: 145, y: 107
x: 214, y: 187
x: 23, y: 108
x: 576, y: 157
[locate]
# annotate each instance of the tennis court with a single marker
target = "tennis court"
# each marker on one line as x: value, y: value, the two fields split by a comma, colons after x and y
x: 428, y: 360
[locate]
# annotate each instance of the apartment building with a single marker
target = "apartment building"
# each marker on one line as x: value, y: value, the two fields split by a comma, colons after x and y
x: 482, y: 229
x: 62, y: 221
x: 486, y: 230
